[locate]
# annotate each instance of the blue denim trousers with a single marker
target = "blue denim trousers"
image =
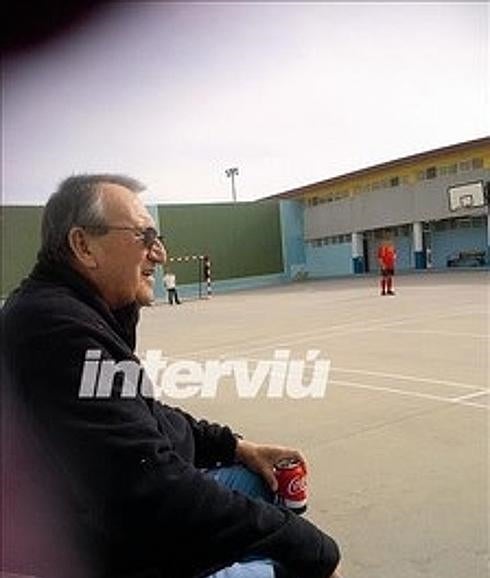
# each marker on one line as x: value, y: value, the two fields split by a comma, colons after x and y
x: 243, y: 480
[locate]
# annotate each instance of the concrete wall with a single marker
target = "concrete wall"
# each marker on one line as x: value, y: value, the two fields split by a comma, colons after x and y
x: 292, y: 237
x: 422, y: 201
x: 241, y: 239
x: 19, y: 242
x: 329, y: 260
x: 444, y: 243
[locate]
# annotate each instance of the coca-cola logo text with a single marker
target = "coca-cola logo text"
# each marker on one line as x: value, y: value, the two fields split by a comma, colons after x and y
x: 297, y: 485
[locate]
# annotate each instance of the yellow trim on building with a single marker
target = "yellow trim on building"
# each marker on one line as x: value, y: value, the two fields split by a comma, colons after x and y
x: 400, y: 172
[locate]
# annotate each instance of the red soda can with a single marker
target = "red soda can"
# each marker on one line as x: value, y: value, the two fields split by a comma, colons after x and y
x: 291, y: 478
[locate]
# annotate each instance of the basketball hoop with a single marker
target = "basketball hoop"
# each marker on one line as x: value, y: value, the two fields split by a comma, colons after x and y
x: 466, y: 196
x: 466, y: 201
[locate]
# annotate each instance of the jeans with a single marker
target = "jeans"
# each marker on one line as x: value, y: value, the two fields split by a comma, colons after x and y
x: 243, y: 480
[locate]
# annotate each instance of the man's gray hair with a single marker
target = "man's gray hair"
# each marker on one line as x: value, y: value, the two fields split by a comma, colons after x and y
x: 76, y: 202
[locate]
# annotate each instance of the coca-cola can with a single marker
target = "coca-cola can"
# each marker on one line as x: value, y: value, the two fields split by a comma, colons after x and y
x: 291, y: 478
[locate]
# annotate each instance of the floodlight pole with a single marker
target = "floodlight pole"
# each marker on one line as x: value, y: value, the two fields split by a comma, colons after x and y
x: 231, y: 174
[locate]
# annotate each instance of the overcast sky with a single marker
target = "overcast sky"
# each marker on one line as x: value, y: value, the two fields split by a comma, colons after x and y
x: 174, y: 94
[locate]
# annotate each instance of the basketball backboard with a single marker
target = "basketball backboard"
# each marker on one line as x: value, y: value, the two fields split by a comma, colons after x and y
x: 466, y: 196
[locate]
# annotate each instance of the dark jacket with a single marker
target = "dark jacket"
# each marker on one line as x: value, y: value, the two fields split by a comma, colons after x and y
x: 130, y: 468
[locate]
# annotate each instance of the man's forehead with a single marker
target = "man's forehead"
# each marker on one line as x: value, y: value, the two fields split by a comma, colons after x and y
x: 120, y: 202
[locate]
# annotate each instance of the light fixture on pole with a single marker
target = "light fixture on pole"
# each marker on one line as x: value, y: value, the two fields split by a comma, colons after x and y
x: 231, y: 173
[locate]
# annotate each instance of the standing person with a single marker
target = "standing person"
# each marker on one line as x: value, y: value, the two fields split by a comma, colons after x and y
x: 387, y: 260
x: 148, y: 490
x: 171, y: 286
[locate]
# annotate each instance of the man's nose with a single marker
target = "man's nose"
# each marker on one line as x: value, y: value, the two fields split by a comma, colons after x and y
x: 157, y: 252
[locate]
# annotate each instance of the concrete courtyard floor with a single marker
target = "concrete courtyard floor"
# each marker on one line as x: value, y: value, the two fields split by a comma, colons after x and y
x: 397, y: 447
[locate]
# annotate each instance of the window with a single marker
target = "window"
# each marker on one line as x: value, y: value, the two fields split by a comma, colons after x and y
x: 478, y: 222
x: 465, y: 223
x: 421, y: 175
x: 440, y: 225
x: 431, y: 173
x: 448, y: 169
x: 465, y: 165
x: 314, y: 201
x: 477, y: 163
x: 394, y: 182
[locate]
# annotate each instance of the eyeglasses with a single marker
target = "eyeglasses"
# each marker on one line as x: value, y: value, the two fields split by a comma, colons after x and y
x: 149, y: 236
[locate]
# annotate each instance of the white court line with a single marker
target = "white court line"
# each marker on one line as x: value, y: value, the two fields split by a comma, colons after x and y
x: 445, y: 333
x: 472, y: 395
x: 460, y: 399
x: 409, y: 378
x: 450, y: 400
x: 398, y: 376
x: 326, y: 332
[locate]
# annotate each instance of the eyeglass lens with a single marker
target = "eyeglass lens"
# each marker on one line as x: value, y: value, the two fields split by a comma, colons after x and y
x: 150, y: 235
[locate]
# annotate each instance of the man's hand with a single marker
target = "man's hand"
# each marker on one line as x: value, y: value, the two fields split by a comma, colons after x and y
x: 262, y: 458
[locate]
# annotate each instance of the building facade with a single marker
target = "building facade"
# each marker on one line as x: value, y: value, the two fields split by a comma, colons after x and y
x: 334, y: 227
x: 330, y: 228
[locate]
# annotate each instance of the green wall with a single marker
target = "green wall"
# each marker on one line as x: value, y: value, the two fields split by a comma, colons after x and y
x: 20, y: 229
x: 242, y: 239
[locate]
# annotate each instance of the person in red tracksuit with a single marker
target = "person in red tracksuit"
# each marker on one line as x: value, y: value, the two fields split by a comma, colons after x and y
x: 387, y: 260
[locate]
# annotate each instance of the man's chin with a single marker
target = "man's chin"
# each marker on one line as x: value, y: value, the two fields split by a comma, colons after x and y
x: 145, y: 300
x: 145, y: 296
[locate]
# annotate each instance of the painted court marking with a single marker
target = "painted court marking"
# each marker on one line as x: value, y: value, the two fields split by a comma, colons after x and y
x: 443, y: 333
x: 417, y: 394
x: 409, y: 378
x: 365, y: 325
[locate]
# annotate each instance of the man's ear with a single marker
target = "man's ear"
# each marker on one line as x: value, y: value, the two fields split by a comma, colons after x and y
x: 80, y: 244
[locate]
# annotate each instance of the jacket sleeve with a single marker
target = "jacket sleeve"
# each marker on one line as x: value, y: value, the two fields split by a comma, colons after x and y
x: 214, y: 444
x: 137, y: 490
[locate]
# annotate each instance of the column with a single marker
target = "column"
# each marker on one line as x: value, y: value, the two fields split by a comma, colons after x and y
x: 418, y: 246
x: 357, y: 253
x: 159, y: 289
x: 488, y: 236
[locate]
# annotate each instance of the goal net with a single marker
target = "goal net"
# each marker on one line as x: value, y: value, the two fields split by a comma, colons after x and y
x: 193, y: 275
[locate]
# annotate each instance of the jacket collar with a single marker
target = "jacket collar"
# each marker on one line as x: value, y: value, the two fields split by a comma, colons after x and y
x: 123, y: 320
